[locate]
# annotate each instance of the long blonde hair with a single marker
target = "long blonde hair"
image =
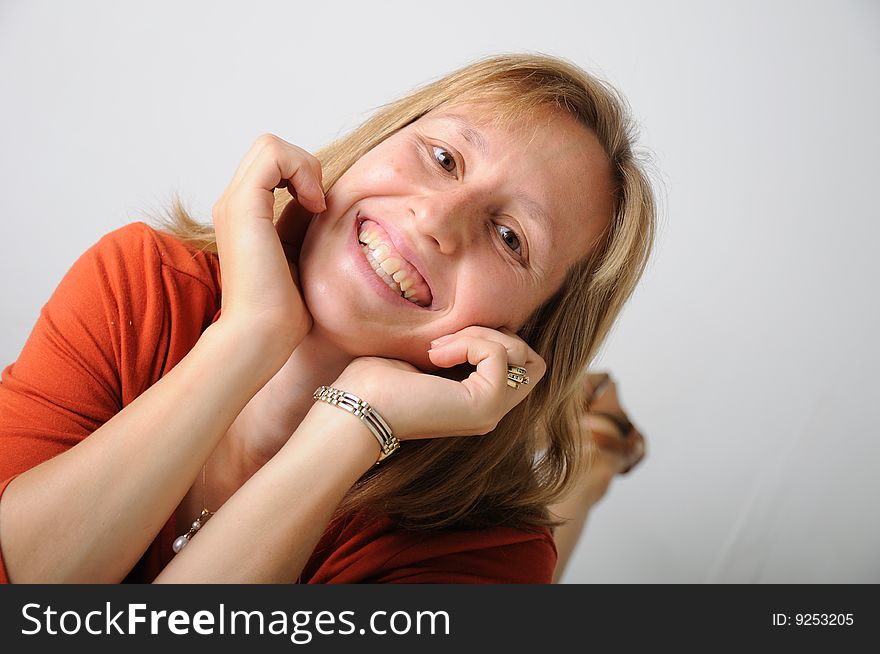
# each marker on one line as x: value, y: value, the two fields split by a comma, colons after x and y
x: 509, y: 476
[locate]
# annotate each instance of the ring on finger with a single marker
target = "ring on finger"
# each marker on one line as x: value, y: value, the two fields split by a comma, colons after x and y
x: 516, y: 375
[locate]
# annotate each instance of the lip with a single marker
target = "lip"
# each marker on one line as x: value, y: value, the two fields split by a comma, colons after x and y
x: 404, y: 249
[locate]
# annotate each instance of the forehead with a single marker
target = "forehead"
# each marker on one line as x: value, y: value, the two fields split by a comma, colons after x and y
x: 552, y: 169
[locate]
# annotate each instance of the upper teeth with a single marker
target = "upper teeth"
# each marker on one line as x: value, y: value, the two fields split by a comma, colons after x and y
x: 388, y: 268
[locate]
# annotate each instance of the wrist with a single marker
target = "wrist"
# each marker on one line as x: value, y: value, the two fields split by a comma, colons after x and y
x: 263, y: 352
x: 337, y: 435
x: 363, y: 411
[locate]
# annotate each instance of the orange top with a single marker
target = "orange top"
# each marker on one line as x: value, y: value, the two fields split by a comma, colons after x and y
x: 128, y: 310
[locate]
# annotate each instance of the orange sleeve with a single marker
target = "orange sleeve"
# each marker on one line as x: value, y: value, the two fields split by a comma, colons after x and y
x: 127, y: 310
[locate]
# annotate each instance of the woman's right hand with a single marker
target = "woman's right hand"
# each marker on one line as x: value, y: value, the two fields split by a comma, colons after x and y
x: 260, y: 286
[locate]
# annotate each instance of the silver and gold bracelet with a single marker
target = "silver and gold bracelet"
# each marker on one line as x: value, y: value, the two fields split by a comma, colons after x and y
x: 362, y: 409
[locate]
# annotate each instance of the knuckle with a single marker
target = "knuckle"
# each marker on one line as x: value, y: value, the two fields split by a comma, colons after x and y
x: 313, y: 160
x: 271, y: 145
x: 498, y: 348
x: 521, y: 351
x: 486, y: 427
x: 542, y: 366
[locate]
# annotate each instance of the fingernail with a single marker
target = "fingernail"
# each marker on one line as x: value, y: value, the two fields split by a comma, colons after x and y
x: 441, y: 340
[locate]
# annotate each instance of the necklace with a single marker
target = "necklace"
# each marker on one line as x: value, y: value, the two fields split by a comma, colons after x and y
x: 181, y: 541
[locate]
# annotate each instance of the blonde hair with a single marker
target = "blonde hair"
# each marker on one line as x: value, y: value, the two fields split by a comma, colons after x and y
x: 530, y: 460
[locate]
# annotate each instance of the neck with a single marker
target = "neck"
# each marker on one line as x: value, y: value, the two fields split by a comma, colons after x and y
x: 316, y: 361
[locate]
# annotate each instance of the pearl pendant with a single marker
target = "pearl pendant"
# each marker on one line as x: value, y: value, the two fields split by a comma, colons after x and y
x: 179, y: 543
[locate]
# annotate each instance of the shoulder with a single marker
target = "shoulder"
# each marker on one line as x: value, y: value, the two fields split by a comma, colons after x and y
x: 138, y: 247
x: 378, y: 551
x: 140, y: 277
x: 127, y: 310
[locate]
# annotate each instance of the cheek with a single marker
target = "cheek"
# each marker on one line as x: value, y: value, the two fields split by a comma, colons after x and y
x: 320, y: 287
x: 482, y: 301
x: 380, y: 173
x: 327, y: 275
x: 379, y: 176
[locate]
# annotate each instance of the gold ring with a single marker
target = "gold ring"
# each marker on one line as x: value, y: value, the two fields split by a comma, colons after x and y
x: 516, y: 375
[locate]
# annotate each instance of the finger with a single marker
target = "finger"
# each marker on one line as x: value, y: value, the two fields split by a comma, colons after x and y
x: 283, y: 164
x: 274, y: 163
x: 311, y: 160
x: 489, y: 357
x: 518, y: 351
x: 292, y: 225
x: 253, y: 155
x: 317, y: 173
x: 246, y: 162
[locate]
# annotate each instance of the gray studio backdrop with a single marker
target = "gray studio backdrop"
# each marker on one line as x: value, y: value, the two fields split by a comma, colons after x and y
x: 749, y: 354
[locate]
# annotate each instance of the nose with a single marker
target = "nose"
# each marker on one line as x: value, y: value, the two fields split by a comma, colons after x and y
x: 452, y: 218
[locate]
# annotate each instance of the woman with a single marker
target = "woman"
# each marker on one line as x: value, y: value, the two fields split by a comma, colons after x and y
x: 493, y: 221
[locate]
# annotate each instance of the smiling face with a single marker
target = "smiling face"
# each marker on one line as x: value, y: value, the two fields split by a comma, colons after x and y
x: 478, y: 225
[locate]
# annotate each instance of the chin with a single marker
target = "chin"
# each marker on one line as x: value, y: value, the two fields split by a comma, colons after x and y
x: 350, y: 323
x: 357, y: 335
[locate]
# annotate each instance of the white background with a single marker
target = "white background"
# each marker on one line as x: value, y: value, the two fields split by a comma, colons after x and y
x: 748, y: 355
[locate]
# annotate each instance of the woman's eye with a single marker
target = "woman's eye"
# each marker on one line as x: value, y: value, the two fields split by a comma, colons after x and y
x: 510, y: 238
x: 447, y: 160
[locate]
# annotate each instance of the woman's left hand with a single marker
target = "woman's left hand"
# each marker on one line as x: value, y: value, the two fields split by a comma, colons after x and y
x: 420, y: 405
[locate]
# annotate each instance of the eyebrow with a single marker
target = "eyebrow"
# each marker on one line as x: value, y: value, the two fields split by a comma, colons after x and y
x: 536, y: 211
x: 469, y: 133
x: 475, y: 137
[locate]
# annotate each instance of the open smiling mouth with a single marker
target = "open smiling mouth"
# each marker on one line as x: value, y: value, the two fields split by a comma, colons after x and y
x: 398, y: 273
